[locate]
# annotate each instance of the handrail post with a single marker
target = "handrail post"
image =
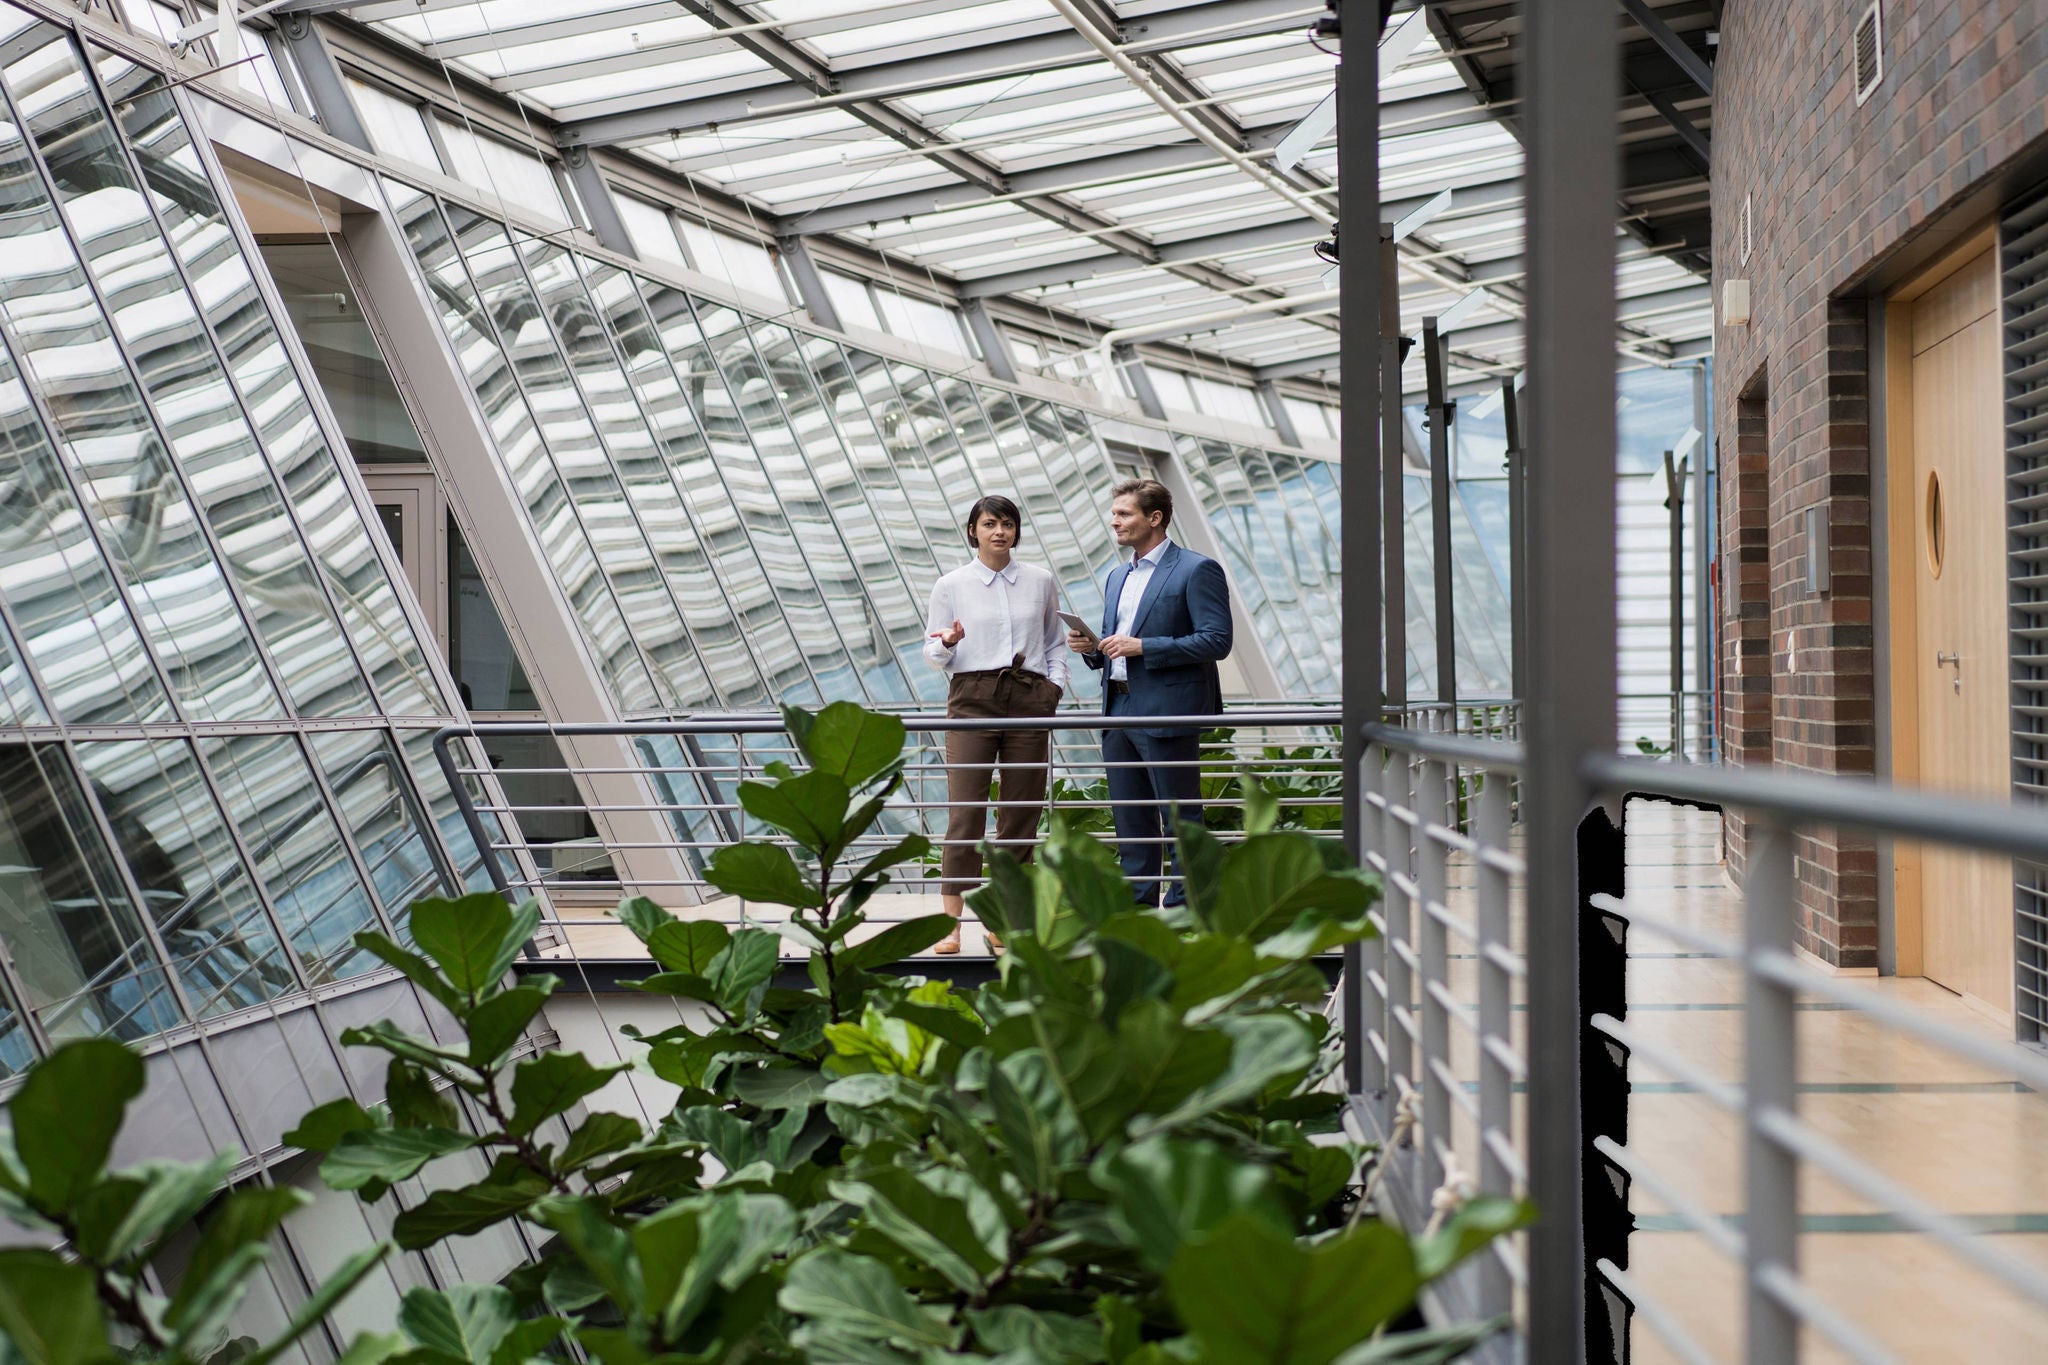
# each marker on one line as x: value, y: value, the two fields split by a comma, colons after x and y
x: 485, y: 846
x: 1603, y: 1097
x: 1770, y: 1173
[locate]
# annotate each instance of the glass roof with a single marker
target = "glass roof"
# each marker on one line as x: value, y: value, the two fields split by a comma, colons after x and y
x: 995, y: 147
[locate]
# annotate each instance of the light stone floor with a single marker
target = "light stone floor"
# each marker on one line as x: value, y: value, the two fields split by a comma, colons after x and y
x: 1969, y: 1141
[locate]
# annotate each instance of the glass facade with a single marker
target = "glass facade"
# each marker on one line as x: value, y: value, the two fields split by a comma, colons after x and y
x: 215, y: 715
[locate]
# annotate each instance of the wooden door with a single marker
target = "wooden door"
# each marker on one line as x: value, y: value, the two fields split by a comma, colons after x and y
x: 1961, y: 679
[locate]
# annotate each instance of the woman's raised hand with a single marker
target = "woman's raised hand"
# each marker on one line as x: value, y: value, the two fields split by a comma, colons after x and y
x: 950, y: 638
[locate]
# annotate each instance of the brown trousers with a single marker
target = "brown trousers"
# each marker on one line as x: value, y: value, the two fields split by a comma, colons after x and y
x: 973, y: 757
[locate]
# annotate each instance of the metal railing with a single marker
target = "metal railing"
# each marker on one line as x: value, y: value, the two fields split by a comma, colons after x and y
x: 660, y: 797
x: 1445, y: 1023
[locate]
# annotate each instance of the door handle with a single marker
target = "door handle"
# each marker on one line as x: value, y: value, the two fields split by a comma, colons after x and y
x: 1942, y: 658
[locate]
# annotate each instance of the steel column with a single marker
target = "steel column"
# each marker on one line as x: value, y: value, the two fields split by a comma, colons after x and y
x: 596, y: 197
x: 1358, y: 276
x: 809, y: 283
x: 1770, y: 1171
x: 995, y: 347
x: 1283, y: 424
x: 1393, y: 503
x: 1124, y: 360
x: 322, y: 79
x: 1440, y: 410
x: 1572, y: 78
x: 1518, y: 541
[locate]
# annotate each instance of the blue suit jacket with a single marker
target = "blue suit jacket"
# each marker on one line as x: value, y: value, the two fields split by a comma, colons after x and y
x: 1184, y: 621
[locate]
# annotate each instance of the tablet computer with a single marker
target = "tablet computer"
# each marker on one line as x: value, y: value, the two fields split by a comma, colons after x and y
x: 1076, y: 623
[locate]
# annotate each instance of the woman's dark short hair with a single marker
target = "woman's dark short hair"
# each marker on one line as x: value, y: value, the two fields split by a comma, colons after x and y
x: 1150, y: 495
x: 999, y: 507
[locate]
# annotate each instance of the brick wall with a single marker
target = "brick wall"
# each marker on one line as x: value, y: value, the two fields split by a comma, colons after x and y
x: 1838, y: 193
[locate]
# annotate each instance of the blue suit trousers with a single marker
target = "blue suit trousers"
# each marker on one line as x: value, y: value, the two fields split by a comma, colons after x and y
x: 1159, y: 770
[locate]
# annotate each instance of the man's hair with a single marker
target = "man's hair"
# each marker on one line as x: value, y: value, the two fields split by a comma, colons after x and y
x: 1150, y: 495
x: 999, y: 507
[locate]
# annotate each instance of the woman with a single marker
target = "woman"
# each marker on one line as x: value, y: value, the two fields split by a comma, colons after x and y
x: 995, y: 630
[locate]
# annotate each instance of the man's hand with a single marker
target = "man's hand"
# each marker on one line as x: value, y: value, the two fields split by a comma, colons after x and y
x: 1122, y: 647
x: 1080, y: 643
x: 950, y: 638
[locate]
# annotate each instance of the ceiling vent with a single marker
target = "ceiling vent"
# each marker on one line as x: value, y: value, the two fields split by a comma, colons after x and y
x: 1746, y: 230
x: 1869, y: 50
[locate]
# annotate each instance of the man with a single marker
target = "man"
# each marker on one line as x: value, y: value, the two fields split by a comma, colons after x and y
x: 1165, y: 623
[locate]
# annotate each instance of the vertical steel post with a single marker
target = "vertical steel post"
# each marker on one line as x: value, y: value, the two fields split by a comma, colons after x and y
x: 1770, y: 1173
x: 1393, y: 503
x: 1440, y: 409
x: 1674, y: 504
x: 1432, y: 946
x: 1571, y: 77
x: 1496, y: 1085
x: 1358, y: 280
x: 1518, y: 543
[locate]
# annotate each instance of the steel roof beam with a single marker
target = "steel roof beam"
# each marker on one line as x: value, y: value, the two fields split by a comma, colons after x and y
x: 1675, y: 47
x: 654, y: 115
x: 1302, y: 230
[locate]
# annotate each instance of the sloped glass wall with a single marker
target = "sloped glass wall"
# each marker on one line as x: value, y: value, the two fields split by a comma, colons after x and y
x: 214, y: 711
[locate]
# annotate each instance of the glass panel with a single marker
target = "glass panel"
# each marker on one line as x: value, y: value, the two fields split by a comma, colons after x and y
x: 395, y: 126
x: 851, y: 300
x: 418, y: 748
x: 742, y: 264
x: 1281, y: 547
x: 480, y: 654
x: 1228, y: 505
x: 645, y: 518
x: 273, y: 392
x: 59, y: 586
x: 200, y: 895
x: 879, y: 614
x: 17, y: 1048
x: 209, y: 437
x: 382, y: 814
x: 324, y: 312
x: 652, y: 230
x: 105, y: 430
x: 517, y: 438
x: 298, y: 851
x: 685, y: 551
x: 71, y: 931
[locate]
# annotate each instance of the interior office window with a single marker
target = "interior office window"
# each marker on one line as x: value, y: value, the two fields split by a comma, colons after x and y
x: 396, y: 126
x: 743, y: 264
x: 255, y: 68
x: 511, y: 174
x: 851, y: 300
x: 1227, y: 400
x: 344, y: 353
x: 480, y: 653
x: 927, y: 324
x: 1310, y: 419
x: 652, y: 230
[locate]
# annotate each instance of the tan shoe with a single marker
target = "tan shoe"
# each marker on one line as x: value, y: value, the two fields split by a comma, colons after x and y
x: 995, y: 945
x: 949, y: 945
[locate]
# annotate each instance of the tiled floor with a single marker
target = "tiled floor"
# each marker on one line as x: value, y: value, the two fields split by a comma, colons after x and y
x: 1969, y: 1141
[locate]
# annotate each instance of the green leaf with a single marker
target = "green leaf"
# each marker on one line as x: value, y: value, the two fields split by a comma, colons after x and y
x: 1210, y: 966
x: 510, y: 1189
x: 1254, y: 1294
x: 1201, y: 856
x: 933, y: 1227
x: 895, y: 943
x: 496, y: 1025
x: 742, y: 966
x: 1029, y: 1333
x: 852, y: 744
x: 909, y: 848
x: 320, y: 1129
x: 603, y: 1249
x: 1270, y: 879
x: 1264, y: 1048
x: 858, y: 1296
x: 553, y: 1083
x: 643, y: 916
x: 466, y: 1322
x: 688, y: 945
x: 50, y: 1310
x: 1261, y: 807
x: 1164, y: 1192
x: 387, y: 1155
x: 66, y: 1115
x: 1314, y: 932
x: 465, y: 937
x: 246, y: 1217
x: 386, y: 1036
x: 1472, y: 1226
x: 525, y: 1341
x: 414, y: 1100
x: 779, y: 1087
x: 1122, y: 1327
x: 597, y: 1136
x: 761, y: 872
x: 680, y: 984
x: 1089, y: 874
x: 417, y: 969
x: 321, y: 1301
x: 372, y: 1348
x: 1038, y: 1127
x: 1163, y: 1060
x: 172, y: 1194
x: 809, y: 807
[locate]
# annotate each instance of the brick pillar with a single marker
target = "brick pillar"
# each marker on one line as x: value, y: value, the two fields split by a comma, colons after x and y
x: 1745, y: 672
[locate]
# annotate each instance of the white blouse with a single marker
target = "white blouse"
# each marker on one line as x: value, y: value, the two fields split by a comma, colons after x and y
x: 1005, y: 613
